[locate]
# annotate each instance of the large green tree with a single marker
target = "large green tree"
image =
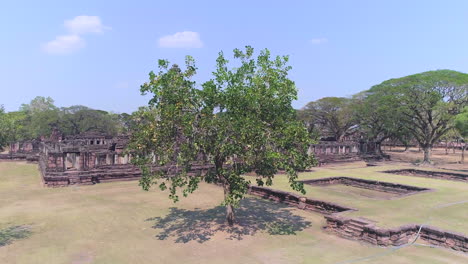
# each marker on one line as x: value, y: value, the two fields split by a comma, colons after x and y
x: 239, y: 121
x: 79, y: 119
x: 378, y: 118
x: 428, y: 103
x: 332, y: 116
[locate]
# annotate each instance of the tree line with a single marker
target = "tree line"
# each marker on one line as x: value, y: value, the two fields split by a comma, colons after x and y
x: 424, y: 108
x: 41, y: 117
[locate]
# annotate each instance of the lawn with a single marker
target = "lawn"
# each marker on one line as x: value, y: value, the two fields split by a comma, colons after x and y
x: 119, y: 223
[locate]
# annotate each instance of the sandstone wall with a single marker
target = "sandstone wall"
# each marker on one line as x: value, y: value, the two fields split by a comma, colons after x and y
x: 366, y: 231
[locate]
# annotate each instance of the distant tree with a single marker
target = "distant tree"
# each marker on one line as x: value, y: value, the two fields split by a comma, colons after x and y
x: 378, y: 118
x: 4, y: 128
x: 461, y: 125
x: 428, y: 103
x: 79, y: 119
x: 241, y: 121
x: 20, y: 123
x: 42, y: 117
x: 330, y: 115
x: 39, y: 104
x: 126, y: 122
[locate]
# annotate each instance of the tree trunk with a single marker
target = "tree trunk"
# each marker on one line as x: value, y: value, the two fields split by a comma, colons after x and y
x: 229, y: 207
x: 378, y: 146
x: 427, y: 154
x: 462, y: 161
x: 406, y: 147
x: 227, y: 190
x: 446, y: 147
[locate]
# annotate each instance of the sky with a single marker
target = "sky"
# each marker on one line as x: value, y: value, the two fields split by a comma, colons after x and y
x: 98, y: 53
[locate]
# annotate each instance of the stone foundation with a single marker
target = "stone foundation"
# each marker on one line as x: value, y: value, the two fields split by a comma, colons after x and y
x: 399, y: 189
x: 366, y: 231
x: 298, y: 201
x: 431, y: 174
x: 361, y: 229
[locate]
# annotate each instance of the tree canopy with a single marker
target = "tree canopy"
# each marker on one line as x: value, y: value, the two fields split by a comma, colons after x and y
x: 40, y: 117
x: 428, y: 103
x: 461, y: 125
x: 332, y: 116
x: 240, y: 121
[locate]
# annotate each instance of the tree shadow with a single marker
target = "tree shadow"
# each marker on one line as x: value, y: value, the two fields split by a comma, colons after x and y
x: 9, y: 234
x: 252, y: 216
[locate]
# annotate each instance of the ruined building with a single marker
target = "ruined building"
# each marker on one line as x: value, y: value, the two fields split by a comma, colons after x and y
x: 94, y: 157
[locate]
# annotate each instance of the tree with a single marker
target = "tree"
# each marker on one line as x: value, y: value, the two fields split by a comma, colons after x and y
x: 378, y: 118
x: 239, y: 121
x: 39, y: 104
x: 428, y: 103
x: 79, y: 119
x: 461, y: 124
x: 4, y: 128
x: 42, y: 116
x: 332, y: 115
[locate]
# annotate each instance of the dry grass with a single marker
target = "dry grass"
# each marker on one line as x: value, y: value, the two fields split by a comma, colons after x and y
x: 119, y: 223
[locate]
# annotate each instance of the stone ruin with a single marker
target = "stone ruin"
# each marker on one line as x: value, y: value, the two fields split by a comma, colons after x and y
x: 327, y: 152
x: 26, y: 150
x: 83, y: 159
x: 93, y: 157
x: 399, y: 190
x: 361, y: 229
x: 86, y: 159
x: 431, y: 174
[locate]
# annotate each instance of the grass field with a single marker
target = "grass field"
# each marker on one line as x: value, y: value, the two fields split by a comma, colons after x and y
x: 119, y: 223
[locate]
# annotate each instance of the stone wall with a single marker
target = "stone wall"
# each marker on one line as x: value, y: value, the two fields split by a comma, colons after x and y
x: 366, y: 231
x: 335, y: 152
x: 388, y: 187
x: 297, y: 200
x: 431, y: 174
x: 361, y: 229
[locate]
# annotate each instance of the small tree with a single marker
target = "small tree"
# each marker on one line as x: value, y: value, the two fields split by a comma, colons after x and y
x: 428, y: 102
x: 240, y: 121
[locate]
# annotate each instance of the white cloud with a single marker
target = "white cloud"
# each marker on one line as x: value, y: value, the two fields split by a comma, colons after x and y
x: 85, y: 24
x: 317, y: 41
x: 73, y: 41
x: 185, y: 39
x: 64, y: 44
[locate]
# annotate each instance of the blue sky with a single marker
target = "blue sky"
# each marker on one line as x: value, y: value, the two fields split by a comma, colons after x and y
x: 97, y: 53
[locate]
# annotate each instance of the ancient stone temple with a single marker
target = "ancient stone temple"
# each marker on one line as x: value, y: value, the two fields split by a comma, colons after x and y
x: 86, y: 159
x: 94, y: 157
x: 347, y: 151
x: 83, y: 159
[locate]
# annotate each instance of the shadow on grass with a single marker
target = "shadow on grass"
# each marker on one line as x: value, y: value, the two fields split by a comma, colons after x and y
x: 252, y: 216
x: 9, y: 234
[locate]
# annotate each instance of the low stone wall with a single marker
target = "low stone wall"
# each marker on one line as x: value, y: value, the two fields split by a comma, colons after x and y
x: 431, y: 174
x: 363, y: 229
x: 400, y: 189
x: 20, y: 156
x: 297, y: 200
x: 108, y: 173
x: 366, y: 231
